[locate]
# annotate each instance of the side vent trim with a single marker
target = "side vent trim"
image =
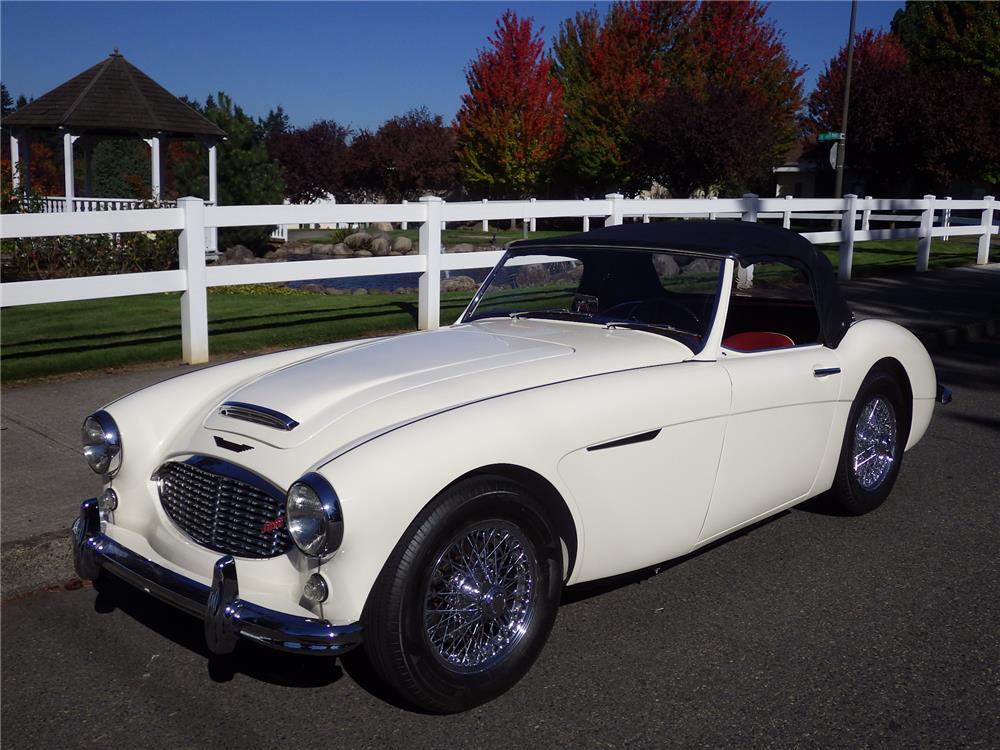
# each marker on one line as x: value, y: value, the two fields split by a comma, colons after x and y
x: 258, y: 415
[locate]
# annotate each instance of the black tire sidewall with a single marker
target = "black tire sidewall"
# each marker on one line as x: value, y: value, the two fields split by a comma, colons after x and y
x: 848, y: 492
x: 422, y: 678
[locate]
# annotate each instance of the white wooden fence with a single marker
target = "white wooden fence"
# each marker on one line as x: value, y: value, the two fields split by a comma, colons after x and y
x: 197, y: 221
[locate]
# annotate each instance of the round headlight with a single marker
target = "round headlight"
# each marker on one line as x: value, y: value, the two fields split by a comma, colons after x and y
x: 102, y: 443
x: 314, y: 518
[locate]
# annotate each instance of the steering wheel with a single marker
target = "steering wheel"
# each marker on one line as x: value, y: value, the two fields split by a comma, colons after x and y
x: 629, y: 310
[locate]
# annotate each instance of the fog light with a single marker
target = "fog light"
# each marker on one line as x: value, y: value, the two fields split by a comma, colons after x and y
x: 108, y: 501
x: 316, y: 589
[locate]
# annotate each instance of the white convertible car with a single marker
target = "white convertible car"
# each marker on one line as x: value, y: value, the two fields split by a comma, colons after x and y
x: 607, y: 401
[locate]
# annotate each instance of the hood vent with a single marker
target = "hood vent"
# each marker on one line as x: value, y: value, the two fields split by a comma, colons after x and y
x: 258, y: 415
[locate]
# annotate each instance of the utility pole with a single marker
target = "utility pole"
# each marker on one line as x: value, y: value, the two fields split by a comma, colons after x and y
x: 842, y: 143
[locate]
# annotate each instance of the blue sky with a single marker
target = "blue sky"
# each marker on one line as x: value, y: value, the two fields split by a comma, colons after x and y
x: 355, y: 62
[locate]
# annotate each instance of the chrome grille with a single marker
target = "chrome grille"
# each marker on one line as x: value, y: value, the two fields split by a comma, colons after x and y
x: 223, y: 507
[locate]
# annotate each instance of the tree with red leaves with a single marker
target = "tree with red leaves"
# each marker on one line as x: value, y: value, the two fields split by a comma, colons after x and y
x: 608, y: 71
x: 409, y: 156
x: 314, y: 160
x: 730, y: 113
x: 879, y: 93
x: 510, y: 124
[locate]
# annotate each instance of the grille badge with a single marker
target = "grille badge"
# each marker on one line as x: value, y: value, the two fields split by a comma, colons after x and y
x: 235, y: 447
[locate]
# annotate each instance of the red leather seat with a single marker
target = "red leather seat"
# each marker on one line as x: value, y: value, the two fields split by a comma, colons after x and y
x: 753, y: 341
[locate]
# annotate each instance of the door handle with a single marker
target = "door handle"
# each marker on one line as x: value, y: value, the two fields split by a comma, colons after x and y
x: 822, y: 372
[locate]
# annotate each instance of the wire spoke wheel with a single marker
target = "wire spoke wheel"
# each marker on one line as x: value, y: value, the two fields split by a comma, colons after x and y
x: 479, y: 598
x: 875, y: 445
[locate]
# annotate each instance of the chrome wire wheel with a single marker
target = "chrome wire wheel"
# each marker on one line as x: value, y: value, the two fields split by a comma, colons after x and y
x: 875, y: 445
x: 479, y: 599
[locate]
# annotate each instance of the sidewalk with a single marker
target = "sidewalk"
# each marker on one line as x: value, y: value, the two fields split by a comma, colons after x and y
x: 44, y: 477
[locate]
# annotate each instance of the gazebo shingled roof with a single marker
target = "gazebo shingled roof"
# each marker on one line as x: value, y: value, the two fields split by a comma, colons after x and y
x: 112, y: 97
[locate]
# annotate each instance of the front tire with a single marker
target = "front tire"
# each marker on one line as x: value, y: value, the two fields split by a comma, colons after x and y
x: 874, y: 439
x: 466, y: 601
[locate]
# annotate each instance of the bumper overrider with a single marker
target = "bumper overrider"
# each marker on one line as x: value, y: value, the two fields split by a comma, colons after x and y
x: 226, y: 616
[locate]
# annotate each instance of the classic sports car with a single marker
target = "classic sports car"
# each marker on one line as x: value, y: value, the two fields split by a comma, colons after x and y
x: 607, y: 401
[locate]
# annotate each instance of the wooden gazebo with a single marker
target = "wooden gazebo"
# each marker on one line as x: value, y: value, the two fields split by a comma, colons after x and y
x: 112, y: 99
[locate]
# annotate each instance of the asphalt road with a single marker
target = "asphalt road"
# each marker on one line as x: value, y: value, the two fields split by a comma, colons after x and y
x: 808, y: 630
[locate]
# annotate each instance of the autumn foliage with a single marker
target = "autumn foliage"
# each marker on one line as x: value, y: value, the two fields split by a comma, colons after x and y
x: 510, y: 124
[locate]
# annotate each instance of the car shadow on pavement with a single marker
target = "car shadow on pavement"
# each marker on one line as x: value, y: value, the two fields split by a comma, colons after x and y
x: 256, y: 662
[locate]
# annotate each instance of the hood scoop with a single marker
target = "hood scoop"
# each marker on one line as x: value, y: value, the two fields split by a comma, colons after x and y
x: 258, y: 415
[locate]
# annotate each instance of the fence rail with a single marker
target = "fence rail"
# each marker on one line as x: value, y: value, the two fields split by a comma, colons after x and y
x: 199, y: 223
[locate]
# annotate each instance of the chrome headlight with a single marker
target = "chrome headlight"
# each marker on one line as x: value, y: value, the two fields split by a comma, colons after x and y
x: 102, y: 443
x: 315, y: 521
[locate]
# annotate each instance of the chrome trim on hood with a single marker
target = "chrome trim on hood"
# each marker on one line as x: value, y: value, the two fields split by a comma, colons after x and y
x: 258, y: 415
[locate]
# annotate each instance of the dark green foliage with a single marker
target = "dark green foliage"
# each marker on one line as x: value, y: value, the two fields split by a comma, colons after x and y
x: 951, y: 36
x: 121, y: 169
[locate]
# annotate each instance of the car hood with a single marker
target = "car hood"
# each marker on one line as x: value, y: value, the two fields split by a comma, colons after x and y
x: 377, y: 384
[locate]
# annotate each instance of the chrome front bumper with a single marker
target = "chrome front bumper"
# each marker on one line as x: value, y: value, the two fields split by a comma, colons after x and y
x: 226, y: 616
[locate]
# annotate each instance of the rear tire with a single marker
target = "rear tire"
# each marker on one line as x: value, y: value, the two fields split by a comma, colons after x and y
x: 466, y: 601
x: 874, y: 439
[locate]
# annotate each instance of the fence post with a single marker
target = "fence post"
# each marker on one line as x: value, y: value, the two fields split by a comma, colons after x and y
x: 946, y: 218
x: 444, y: 224
x: 486, y: 222
x: 847, y: 223
x: 983, y: 256
x: 712, y: 216
x: 586, y: 219
x: 786, y: 217
x: 429, y: 292
x: 866, y: 214
x: 404, y: 224
x: 534, y: 220
x: 615, y: 217
x: 926, y: 227
x: 744, y: 276
x: 645, y: 217
x: 194, y: 300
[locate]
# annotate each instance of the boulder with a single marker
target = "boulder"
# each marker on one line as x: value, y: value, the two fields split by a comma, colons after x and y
x: 299, y: 249
x: 332, y: 290
x: 358, y: 292
x: 340, y: 250
x: 358, y: 240
x: 381, y: 226
x: 380, y: 246
x: 699, y: 266
x: 534, y: 275
x: 414, y: 251
x: 393, y: 252
x: 665, y: 265
x: 462, y: 247
x: 459, y: 284
x: 281, y: 253
x: 323, y: 250
x: 362, y: 253
x: 402, y: 245
x: 314, y: 288
x: 238, y: 251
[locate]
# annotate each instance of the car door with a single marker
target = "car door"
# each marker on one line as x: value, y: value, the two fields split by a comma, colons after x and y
x: 785, y: 385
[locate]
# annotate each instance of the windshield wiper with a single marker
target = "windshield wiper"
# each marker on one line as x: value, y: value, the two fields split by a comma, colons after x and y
x: 660, y: 328
x: 557, y: 313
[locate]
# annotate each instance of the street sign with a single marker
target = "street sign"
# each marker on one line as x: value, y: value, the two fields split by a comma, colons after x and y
x: 830, y: 137
x: 833, y: 155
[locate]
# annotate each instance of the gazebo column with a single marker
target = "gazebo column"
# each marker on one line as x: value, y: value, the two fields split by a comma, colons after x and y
x: 213, y: 176
x: 154, y: 155
x: 69, y: 176
x: 15, y: 162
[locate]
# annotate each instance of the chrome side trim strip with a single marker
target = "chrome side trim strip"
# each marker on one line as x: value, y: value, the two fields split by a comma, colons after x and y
x: 226, y: 616
x: 258, y: 415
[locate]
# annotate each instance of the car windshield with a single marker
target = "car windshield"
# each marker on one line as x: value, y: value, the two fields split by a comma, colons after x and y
x: 670, y: 293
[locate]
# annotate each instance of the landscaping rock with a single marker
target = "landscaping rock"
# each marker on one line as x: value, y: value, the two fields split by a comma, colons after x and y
x: 402, y: 245
x: 380, y: 246
x: 331, y: 290
x: 238, y: 251
x: 358, y: 240
x: 362, y: 253
x: 393, y: 252
x: 462, y: 247
x: 340, y: 249
x: 459, y: 284
x: 665, y: 265
x: 698, y: 266
x: 281, y: 253
x: 314, y: 288
x: 381, y: 226
x: 299, y: 249
x: 358, y: 292
x: 414, y: 251
x: 323, y: 250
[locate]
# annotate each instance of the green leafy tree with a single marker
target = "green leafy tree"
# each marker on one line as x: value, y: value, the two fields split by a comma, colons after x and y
x: 955, y: 36
x: 6, y: 102
x: 510, y: 124
x: 121, y: 169
x: 247, y: 175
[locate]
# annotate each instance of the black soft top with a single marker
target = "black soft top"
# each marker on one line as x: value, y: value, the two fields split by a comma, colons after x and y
x: 745, y: 242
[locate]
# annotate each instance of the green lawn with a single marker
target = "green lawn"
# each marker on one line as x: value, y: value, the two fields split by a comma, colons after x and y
x: 66, y: 337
